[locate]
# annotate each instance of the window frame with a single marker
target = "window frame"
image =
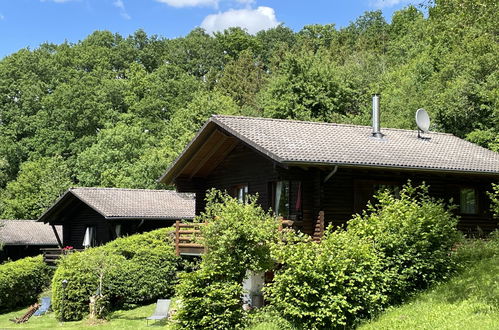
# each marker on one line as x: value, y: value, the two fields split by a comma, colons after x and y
x: 292, y: 214
x: 237, y: 188
x: 475, y: 197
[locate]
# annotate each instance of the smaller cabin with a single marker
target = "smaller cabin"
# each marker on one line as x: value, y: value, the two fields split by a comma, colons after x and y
x: 26, y: 238
x: 94, y: 216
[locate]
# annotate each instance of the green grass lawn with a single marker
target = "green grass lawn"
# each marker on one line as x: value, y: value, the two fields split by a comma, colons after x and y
x: 470, y: 300
x: 130, y: 319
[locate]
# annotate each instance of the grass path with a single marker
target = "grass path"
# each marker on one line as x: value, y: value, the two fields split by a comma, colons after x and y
x: 130, y: 319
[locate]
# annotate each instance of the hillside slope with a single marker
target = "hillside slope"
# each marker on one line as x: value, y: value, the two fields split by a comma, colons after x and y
x: 470, y: 300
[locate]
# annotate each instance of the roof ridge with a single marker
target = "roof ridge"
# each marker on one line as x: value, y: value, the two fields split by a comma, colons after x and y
x: 125, y: 189
x: 323, y: 123
x: 17, y: 220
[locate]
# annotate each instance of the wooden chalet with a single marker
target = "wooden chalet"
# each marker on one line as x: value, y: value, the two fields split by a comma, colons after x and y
x: 94, y: 216
x: 26, y: 238
x: 303, y: 169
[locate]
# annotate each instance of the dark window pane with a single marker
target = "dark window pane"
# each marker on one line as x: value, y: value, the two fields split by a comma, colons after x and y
x: 468, y: 201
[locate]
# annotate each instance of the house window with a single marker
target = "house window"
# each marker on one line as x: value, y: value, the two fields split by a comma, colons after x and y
x: 89, y: 239
x: 467, y: 201
x: 287, y: 199
x: 394, y: 189
x: 241, y: 192
x: 117, y: 230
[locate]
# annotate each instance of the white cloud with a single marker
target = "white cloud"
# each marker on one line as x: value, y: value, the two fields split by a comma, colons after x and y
x: 121, y: 6
x: 388, y: 3
x: 190, y: 3
x: 1, y: 17
x: 253, y: 20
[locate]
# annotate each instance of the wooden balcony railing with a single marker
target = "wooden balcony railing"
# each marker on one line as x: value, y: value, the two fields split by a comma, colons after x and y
x: 51, y: 255
x: 188, y: 235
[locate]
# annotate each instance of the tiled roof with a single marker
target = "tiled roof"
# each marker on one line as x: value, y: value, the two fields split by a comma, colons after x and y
x: 301, y: 142
x: 312, y: 142
x: 117, y: 203
x: 27, y: 232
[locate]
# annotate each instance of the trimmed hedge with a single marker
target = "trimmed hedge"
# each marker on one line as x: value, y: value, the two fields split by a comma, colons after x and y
x: 135, y: 270
x: 22, y: 281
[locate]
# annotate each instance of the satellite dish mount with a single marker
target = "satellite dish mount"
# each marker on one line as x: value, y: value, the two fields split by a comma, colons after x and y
x: 423, y: 122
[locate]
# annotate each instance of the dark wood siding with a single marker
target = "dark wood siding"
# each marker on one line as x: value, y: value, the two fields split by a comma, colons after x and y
x: 241, y: 166
x: 342, y: 195
x: 78, y: 219
x: 348, y: 191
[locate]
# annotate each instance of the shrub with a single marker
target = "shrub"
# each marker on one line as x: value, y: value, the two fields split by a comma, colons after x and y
x: 21, y: 281
x: 237, y: 235
x: 413, y: 235
x: 397, y: 246
x: 133, y: 270
x: 208, y: 302
x: 267, y: 318
x: 327, y: 285
x: 494, y: 197
x: 238, y: 239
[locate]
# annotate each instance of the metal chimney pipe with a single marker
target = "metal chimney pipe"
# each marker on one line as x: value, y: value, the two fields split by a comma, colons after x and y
x: 376, y: 117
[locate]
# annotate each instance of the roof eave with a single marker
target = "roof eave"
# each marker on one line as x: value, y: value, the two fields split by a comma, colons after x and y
x: 391, y: 167
x: 149, y: 218
x: 173, y: 171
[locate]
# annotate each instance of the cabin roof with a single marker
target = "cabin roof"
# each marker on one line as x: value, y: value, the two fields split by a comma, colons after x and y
x: 27, y: 232
x: 293, y: 142
x: 118, y: 203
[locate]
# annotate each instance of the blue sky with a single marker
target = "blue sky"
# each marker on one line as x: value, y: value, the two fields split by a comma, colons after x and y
x: 27, y: 23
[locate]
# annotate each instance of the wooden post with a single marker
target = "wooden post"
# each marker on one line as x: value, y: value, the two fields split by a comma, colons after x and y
x: 57, y: 236
x: 177, y: 237
x: 321, y: 223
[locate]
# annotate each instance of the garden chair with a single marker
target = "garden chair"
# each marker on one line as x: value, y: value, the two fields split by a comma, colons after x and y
x: 23, y: 319
x: 161, y: 312
x: 44, y: 307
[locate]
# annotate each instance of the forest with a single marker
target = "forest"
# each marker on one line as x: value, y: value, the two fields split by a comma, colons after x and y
x: 115, y: 111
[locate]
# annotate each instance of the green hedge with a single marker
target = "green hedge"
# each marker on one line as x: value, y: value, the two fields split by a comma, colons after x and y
x: 22, y: 281
x: 398, y: 246
x: 135, y: 270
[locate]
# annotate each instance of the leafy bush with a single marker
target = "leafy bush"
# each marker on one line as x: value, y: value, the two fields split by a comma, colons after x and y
x: 494, y: 197
x: 397, y: 246
x: 21, y: 281
x: 267, y: 318
x: 413, y: 235
x: 327, y: 285
x: 238, y: 238
x: 208, y: 302
x: 128, y: 271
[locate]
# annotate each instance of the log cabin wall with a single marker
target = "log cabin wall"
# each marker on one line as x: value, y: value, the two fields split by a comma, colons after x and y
x: 242, y: 166
x: 342, y: 195
x: 348, y: 191
x: 76, y: 222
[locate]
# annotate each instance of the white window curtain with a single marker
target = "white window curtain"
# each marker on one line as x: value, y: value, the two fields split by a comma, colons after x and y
x: 117, y: 230
x: 89, y: 238
x: 278, y: 192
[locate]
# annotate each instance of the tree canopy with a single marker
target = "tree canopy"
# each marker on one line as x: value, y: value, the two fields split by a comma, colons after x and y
x: 115, y: 111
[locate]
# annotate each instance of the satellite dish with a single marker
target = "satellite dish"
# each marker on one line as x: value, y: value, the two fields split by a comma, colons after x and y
x: 423, y: 120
